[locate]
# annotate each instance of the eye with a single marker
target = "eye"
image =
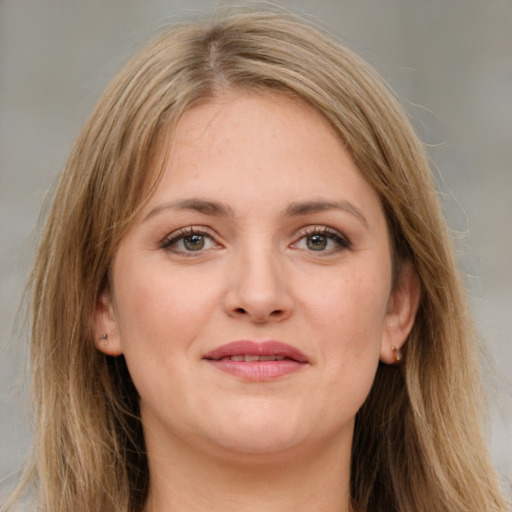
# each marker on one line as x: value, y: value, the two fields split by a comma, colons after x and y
x: 188, y: 240
x: 317, y: 242
x: 322, y: 239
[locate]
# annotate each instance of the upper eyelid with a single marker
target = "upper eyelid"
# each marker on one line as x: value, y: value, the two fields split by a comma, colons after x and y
x: 189, y: 230
x: 344, y: 240
x: 181, y: 233
x: 206, y: 231
x: 319, y: 229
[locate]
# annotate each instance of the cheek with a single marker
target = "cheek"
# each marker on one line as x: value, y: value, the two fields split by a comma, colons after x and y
x: 348, y: 319
x: 160, y: 308
x: 354, y: 306
x: 159, y: 315
x: 345, y: 322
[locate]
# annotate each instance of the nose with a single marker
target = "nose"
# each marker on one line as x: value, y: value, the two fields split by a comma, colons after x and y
x: 258, y: 289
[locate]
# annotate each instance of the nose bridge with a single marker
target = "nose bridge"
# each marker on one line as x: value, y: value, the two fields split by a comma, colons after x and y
x: 258, y: 284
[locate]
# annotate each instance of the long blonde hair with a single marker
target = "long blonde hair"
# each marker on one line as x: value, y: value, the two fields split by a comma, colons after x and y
x: 418, y: 444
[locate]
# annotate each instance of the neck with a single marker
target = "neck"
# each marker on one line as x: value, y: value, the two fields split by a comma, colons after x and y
x: 300, y: 480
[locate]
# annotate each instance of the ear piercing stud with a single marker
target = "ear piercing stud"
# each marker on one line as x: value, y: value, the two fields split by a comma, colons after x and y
x: 398, y: 354
x: 104, y: 337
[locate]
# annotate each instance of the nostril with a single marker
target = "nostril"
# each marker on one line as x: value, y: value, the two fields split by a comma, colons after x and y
x: 240, y: 310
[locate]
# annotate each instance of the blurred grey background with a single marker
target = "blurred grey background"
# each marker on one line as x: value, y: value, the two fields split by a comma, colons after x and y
x: 450, y: 62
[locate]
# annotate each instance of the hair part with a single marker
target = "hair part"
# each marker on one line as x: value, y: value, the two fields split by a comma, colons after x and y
x: 418, y: 444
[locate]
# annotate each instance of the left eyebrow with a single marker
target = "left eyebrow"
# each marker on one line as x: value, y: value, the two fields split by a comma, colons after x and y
x: 307, y: 207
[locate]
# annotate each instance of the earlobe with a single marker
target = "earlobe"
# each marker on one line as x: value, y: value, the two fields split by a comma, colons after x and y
x: 106, y: 332
x: 402, y: 308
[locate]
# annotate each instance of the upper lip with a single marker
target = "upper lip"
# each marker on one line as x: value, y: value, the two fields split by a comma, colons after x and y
x: 265, y: 348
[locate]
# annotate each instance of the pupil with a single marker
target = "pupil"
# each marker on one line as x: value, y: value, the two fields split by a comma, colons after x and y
x: 194, y: 242
x: 317, y: 242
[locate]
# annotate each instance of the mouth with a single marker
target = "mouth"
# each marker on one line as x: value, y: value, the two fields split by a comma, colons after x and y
x: 256, y: 361
x: 251, y: 358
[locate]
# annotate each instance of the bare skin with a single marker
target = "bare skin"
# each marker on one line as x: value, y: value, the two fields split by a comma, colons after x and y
x: 262, y: 229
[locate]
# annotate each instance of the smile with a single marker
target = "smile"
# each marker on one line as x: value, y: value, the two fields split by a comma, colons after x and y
x: 250, y: 357
x: 255, y: 361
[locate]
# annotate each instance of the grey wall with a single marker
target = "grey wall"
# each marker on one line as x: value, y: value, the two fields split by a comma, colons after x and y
x: 449, y: 60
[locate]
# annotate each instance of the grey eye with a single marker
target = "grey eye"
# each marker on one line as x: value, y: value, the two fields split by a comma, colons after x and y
x: 316, y: 242
x: 322, y: 240
x: 188, y: 242
x: 194, y: 242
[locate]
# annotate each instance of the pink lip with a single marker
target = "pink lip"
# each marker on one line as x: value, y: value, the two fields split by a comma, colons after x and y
x: 293, y: 361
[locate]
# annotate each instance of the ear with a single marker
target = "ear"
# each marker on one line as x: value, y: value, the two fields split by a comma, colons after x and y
x: 105, y: 327
x: 401, y: 312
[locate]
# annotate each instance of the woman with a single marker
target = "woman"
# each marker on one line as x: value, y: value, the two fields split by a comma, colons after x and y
x: 245, y: 297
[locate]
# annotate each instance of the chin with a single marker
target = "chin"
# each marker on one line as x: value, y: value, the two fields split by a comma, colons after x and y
x: 267, y: 435
x: 262, y: 446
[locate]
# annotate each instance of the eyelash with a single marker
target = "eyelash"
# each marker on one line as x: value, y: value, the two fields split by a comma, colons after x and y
x: 182, y: 234
x: 340, y: 240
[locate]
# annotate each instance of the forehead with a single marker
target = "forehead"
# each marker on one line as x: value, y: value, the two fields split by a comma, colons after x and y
x: 240, y: 132
x: 247, y: 108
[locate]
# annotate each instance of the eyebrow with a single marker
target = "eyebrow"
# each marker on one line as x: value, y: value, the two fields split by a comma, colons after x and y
x: 203, y: 206
x: 307, y: 207
x: 295, y: 209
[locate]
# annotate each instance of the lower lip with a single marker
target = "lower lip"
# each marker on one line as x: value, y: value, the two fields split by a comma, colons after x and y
x: 258, y: 370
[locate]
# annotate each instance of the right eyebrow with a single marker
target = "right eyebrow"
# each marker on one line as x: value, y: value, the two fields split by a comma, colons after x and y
x: 203, y: 206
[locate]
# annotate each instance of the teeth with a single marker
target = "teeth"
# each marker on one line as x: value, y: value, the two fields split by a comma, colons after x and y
x: 271, y: 358
x: 252, y: 358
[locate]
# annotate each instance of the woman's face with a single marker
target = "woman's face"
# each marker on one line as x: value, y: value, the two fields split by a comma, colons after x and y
x: 252, y: 297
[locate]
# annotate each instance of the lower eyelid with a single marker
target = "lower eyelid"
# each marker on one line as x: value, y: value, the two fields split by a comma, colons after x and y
x: 174, y: 238
x: 333, y: 235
